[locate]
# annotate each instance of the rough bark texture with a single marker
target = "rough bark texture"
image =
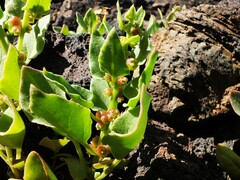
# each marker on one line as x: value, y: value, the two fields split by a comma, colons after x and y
x: 199, y: 61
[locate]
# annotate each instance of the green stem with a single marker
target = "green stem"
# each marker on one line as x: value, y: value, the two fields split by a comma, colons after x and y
x: 3, y: 41
x: 109, y: 169
x: 25, y: 23
x: 10, y: 163
x: 4, y: 157
x: 113, y: 102
x: 82, y: 159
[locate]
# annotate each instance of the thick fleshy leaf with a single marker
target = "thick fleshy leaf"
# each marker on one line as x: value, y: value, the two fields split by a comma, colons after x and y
x: 96, y: 43
x: 82, y: 26
x: 71, y: 119
x: 99, y: 100
x: 70, y: 91
x: 127, y: 131
x: 37, y: 8
x: 12, y: 129
x: 14, y: 8
x: 10, y: 79
x: 228, y: 160
x: 111, y: 57
x: 130, y: 15
x: 140, y: 15
x: 4, y: 44
x: 91, y: 20
x: 36, y: 168
x: 54, y: 144
x: 235, y: 101
x: 119, y: 16
x: 30, y: 76
x: 34, y: 41
x: 144, y: 79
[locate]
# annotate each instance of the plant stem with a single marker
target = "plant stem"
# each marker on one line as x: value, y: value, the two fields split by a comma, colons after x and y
x: 3, y: 41
x: 109, y: 169
x: 113, y: 102
x: 10, y: 161
x: 24, y: 26
x: 81, y: 158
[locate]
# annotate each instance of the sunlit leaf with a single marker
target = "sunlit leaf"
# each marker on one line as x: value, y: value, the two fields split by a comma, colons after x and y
x: 127, y: 131
x: 95, y: 45
x: 111, y: 57
x: 99, y: 100
x: 10, y: 79
x: 36, y: 168
x: 70, y: 118
x: 12, y: 129
x: 34, y: 41
x: 37, y: 8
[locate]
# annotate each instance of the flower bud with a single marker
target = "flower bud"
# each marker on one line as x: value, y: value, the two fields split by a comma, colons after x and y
x: 22, y: 56
x: 122, y: 80
x: 135, y: 31
x: 132, y: 64
x: 108, y: 92
x: 113, y: 114
x: 14, y: 21
x: 108, y: 77
x: 100, y: 126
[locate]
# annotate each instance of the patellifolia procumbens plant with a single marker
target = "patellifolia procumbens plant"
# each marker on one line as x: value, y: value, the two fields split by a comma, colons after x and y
x: 116, y: 104
x: 22, y: 29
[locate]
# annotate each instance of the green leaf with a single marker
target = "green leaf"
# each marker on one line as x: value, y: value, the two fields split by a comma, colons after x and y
x: 144, y: 78
x: 36, y: 168
x: 99, y: 100
x: 141, y: 51
x: 54, y: 144
x: 65, y: 31
x: 111, y: 57
x: 91, y: 20
x: 153, y: 25
x: 96, y: 42
x: 75, y: 167
x: 14, y: 8
x: 32, y: 76
x: 119, y: 16
x: 228, y: 160
x: 35, y: 77
x: 132, y: 89
x: 34, y: 41
x: 235, y: 101
x: 69, y: 90
x: 4, y: 44
x: 10, y: 79
x: 1, y: 13
x: 82, y: 26
x: 104, y: 26
x: 131, y: 14
x: 71, y: 119
x: 140, y: 15
x: 12, y: 129
x: 37, y: 8
x: 127, y: 131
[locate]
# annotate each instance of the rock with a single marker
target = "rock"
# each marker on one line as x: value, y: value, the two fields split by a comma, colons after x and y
x: 198, y: 63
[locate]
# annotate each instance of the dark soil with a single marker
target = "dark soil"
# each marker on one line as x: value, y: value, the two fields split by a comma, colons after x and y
x: 173, y: 147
